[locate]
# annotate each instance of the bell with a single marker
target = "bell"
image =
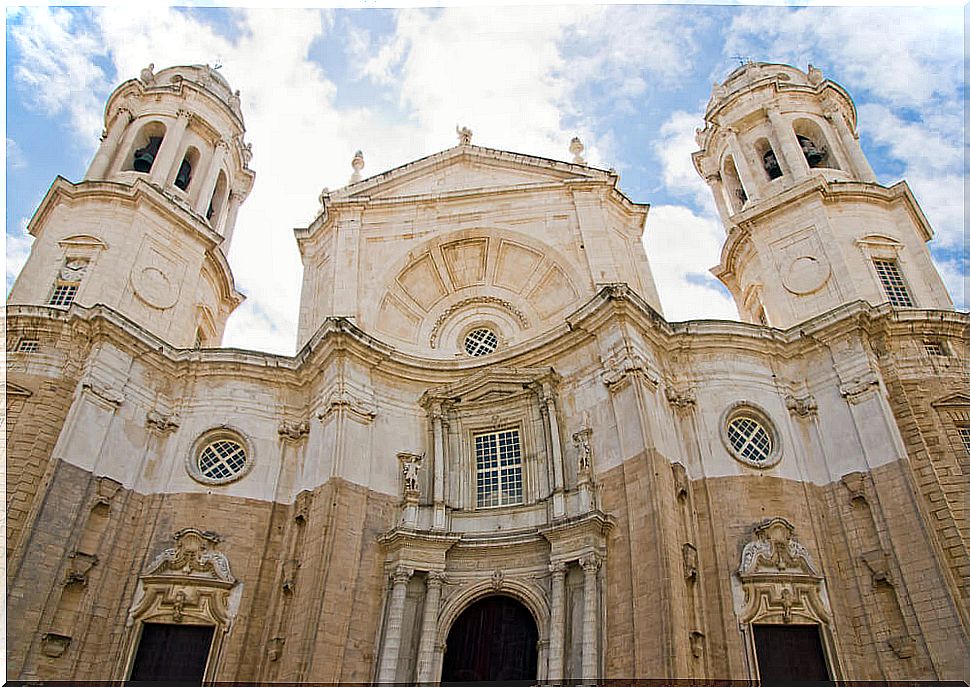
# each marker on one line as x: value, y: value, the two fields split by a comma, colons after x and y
x: 144, y: 157
x: 771, y: 164
x: 813, y: 154
x: 184, y: 176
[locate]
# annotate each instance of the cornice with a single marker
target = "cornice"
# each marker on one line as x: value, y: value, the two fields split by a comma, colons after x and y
x: 339, y: 337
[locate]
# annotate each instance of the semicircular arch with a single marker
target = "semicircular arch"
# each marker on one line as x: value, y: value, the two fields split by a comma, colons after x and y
x: 525, y: 594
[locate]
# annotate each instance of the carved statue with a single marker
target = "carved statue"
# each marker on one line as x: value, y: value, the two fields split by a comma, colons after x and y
x: 410, y: 467
x: 576, y: 147
x: 464, y: 135
x: 234, y: 101
x: 147, y: 75
x: 358, y: 164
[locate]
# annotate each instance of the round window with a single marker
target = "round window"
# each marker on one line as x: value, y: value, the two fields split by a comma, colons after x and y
x: 750, y: 440
x: 219, y: 458
x: 750, y: 436
x: 480, y: 341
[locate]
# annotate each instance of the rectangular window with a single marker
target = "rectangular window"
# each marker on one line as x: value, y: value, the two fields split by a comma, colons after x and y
x: 27, y: 345
x: 892, y: 283
x: 63, y: 295
x: 965, y: 437
x: 498, y: 464
x: 935, y: 348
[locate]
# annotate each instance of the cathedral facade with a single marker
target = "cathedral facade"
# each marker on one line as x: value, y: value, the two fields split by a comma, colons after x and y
x: 492, y: 457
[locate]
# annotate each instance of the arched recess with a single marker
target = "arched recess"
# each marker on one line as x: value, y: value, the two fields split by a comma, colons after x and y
x: 494, y: 638
x: 815, y: 145
x: 218, y: 201
x: 145, y: 144
x: 736, y: 197
x: 768, y: 159
x: 187, y: 169
x: 531, y: 597
x: 517, y: 283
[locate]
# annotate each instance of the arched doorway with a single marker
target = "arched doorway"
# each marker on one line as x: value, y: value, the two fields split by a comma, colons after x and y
x: 493, y: 639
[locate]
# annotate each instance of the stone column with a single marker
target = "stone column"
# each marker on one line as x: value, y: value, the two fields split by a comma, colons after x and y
x: 162, y: 166
x: 205, y: 189
x: 429, y: 628
x: 717, y: 188
x: 109, y: 145
x: 591, y: 564
x: 558, y: 497
x: 860, y: 165
x: 229, y: 223
x: 387, y: 672
x: 791, y: 151
x: 748, y: 179
x: 437, y: 421
x: 557, y: 620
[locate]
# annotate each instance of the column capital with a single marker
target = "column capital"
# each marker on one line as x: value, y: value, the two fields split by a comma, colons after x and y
x: 434, y: 579
x: 591, y: 562
x: 400, y: 574
x: 185, y: 114
x: 558, y: 569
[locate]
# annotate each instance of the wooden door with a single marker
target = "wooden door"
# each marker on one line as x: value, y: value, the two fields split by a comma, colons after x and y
x: 790, y: 652
x: 172, y: 652
x: 493, y: 639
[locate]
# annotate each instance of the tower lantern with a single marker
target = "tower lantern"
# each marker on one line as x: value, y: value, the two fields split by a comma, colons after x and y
x: 809, y: 227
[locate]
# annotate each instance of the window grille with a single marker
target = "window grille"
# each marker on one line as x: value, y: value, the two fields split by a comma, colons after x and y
x: 498, y: 461
x: 480, y: 342
x: 63, y: 295
x: 222, y: 460
x: 751, y: 441
x: 892, y: 283
x: 27, y: 345
x: 934, y: 348
x: 965, y: 437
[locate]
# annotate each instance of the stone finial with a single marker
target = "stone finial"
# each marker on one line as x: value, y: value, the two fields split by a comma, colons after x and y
x: 234, y: 100
x: 814, y: 75
x: 464, y: 135
x: 358, y: 164
x: 576, y: 148
x: 148, y: 74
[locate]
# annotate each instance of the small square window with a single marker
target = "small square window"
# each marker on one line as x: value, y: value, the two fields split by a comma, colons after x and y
x: 63, y: 295
x: 935, y: 348
x: 27, y: 345
x: 892, y: 283
x: 498, y: 463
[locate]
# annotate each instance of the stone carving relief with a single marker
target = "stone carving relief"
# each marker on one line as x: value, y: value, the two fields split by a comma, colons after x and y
x: 681, y: 399
x: 410, y: 467
x: 781, y: 583
x: 475, y: 300
x: 803, y: 406
x: 584, y: 459
x: 343, y: 399
x: 293, y: 431
x: 103, y: 394
x: 860, y: 388
x: 623, y: 363
x: 189, y: 582
x: 161, y: 422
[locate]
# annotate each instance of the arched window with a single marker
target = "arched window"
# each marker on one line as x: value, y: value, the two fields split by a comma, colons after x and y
x: 144, y: 150
x: 189, y: 163
x: 218, y: 200
x: 733, y: 186
x: 815, y: 147
x: 769, y: 161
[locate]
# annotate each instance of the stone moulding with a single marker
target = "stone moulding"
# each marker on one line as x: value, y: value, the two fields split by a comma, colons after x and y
x: 475, y: 300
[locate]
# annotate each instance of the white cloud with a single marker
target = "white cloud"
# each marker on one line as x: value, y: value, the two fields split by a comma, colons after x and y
x: 682, y: 246
x: 15, y: 155
x: 674, y: 149
x: 57, y: 71
x: 17, y: 250
x: 956, y: 282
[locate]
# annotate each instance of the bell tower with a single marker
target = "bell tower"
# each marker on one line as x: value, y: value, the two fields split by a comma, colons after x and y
x: 809, y: 226
x: 147, y: 230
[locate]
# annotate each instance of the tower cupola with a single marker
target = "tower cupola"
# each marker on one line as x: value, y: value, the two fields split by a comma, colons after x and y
x: 147, y: 231
x: 809, y: 227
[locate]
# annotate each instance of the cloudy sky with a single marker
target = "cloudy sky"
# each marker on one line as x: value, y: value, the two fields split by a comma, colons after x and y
x: 630, y: 80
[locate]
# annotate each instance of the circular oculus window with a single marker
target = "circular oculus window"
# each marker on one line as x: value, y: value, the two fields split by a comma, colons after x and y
x: 480, y: 341
x: 220, y: 459
x: 750, y: 438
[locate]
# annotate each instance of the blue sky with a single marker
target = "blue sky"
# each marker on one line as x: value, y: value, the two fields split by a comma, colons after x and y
x: 630, y: 80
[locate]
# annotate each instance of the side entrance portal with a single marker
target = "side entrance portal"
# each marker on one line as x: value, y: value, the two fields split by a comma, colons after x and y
x: 493, y: 639
x: 172, y: 652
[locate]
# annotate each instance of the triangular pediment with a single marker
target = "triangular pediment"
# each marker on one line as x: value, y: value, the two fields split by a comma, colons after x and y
x: 957, y: 400
x: 491, y: 385
x: 467, y: 168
